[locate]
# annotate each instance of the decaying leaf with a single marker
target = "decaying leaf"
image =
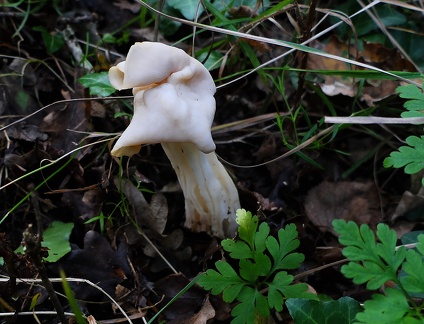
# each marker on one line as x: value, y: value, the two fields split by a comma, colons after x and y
x: 410, y: 206
x: 153, y: 215
x: 357, y: 201
x: 373, y: 54
x: 97, y: 262
x: 187, y: 304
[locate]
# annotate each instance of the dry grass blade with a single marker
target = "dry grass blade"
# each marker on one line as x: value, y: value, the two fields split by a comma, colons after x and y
x: 290, y: 45
x: 377, y: 21
x: 291, y: 152
x: 373, y: 120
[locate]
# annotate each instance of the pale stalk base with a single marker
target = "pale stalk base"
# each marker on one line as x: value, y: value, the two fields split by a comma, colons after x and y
x: 211, y: 198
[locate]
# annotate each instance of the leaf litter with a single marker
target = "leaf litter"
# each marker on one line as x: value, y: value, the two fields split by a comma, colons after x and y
x: 116, y: 256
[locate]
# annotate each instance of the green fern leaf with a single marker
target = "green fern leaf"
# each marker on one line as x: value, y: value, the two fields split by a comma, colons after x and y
x: 388, y: 309
x: 411, y: 157
x: 281, y: 250
x: 225, y: 281
x: 371, y: 262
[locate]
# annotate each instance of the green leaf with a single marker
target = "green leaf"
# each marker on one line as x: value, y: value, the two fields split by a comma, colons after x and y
x: 412, y: 114
x: 52, y: 41
x: 188, y: 8
x: 245, y: 311
x: 387, y: 248
x: 372, y: 263
x: 264, y: 264
x: 420, y: 244
x: 341, y: 311
x: 360, y: 244
x: 280, y: 288
x: 56, y: 239
x: 411, y: 157
x: 213, y: 59
x: 248, y: 226
x: 261, y: 236
x: 252, y: 304
x: 369, y: 272
x: 255, y: 268
x: 413, y: 282
x: 384, y: 309
x: 410, y: 91
x: 237, y: 249
x: 280, y: 251
x: 226, y: 281
x: 411, y: 237
x: 223, y: 5
x: 248, y: 270
x: 98, y: 83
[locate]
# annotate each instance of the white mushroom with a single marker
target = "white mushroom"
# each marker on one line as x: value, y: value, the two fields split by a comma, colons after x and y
x: 174, y: 106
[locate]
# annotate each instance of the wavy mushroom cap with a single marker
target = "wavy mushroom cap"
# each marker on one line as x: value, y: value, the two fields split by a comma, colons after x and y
x: 173, y: 98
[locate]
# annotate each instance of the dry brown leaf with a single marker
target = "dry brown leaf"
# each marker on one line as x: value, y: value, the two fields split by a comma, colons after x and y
x: 333, y: 84
x: 155, y: 215
x: 183, y: 309
x: 373, y: 54
x: 206, y: 313
x: 356, y: 201
x: 408, y: 202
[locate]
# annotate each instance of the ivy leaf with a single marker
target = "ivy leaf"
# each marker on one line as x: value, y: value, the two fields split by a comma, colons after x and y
x: 411, y: 237
x: 98, y: 83
x: 280, y: 251
x: 341, y: 311
x: 226, y: 281
x: 384, y: 309
x: 411, y: 157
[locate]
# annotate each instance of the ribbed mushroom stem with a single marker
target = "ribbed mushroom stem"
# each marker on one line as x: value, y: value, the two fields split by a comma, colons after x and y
x: 211, y: 198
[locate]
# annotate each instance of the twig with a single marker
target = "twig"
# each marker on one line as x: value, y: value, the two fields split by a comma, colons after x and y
x: 33, y: 249
x: 306, y: 35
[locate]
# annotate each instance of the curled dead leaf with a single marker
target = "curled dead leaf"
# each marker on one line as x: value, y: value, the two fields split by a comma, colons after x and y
x: 153, y: 215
